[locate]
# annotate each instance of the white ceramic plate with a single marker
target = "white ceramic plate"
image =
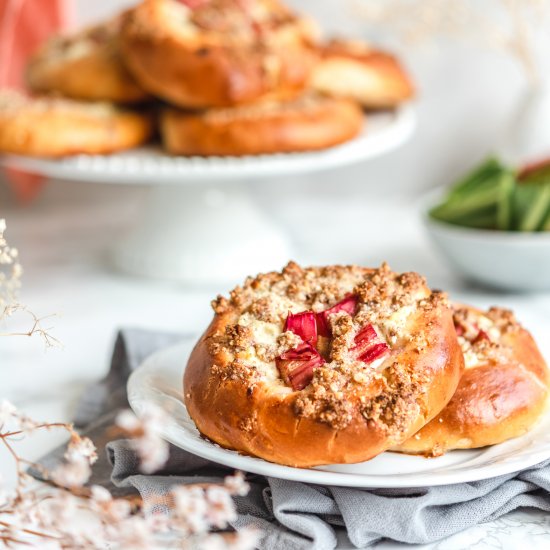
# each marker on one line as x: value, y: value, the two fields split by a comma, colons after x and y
x: 149, y: 165
x: 159, y: 381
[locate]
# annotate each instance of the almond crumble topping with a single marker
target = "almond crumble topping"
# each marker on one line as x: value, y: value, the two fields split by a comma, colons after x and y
x: 13, y: 103
x: 227, y: 21
x: 104, y: 35
x: 384, y: 391
x: 504, y: 319
x: 287, y: 340
x: 480, y: 334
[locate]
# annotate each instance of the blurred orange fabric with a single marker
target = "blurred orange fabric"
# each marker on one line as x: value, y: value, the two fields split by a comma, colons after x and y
x: 24, y: 24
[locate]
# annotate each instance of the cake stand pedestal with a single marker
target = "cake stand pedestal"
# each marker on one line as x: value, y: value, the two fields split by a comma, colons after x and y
x: 201, y: 236
x: 199, y: 225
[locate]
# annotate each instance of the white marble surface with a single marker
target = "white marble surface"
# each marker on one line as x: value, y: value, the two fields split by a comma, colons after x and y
x: 63, y: 239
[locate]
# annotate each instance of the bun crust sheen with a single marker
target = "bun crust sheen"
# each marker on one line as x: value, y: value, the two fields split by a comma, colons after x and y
x: 354, y: 70
x: 58, y: 127
x: 503, y: 390
x: 217, y: 54
x: 86, y: 66
x: 350, y: 411
x: 304, y: 124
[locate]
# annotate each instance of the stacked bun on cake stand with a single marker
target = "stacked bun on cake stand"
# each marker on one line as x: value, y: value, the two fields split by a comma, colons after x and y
x: 239, y: 92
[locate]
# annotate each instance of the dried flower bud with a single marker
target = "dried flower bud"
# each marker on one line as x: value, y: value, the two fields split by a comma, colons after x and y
x: 236, y: 485
x: 190, y: 508
x: 221, y: 508
x: 245, y: 539
x: 7, y: 412
x: 81, y: 448
x: 152, y: 450
x: 100, y: 495
x: 72, y: 474
x: 128, y: 421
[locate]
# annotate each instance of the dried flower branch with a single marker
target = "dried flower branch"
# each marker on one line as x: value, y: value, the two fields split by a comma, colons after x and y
x: 508, y: 25
x: 10, y: 284
x: 10, y: 271
x: 35, y: 518
x: 31, y: 517
x: 37, y: 327
x: 151, y: 449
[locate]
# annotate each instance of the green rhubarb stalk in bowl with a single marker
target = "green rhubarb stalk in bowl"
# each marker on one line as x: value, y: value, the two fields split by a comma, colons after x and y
x: 496, y: 196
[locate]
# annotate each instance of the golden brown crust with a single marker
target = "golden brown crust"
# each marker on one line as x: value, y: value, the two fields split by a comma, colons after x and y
x: 86, y: 66
x: 178, y: 57
x: 372, y: 77
x: 304, y: 124
x: 58, y: 127
x: 501, y: 394
x: 350, y: 411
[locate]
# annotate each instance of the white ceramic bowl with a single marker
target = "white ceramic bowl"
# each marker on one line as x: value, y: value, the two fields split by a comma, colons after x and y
x: 501, y: 259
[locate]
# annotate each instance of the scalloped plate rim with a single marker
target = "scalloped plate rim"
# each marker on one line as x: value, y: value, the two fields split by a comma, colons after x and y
x: 149, y: 165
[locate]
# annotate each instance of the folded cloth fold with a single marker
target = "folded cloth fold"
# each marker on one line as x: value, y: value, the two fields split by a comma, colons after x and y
x: 295, y: 515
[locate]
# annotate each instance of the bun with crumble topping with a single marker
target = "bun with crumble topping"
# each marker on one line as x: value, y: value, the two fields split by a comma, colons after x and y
x: 323, y: 365
x: 502, y: 393
x: 86, y: 66
x: 307, y: 123
x: 355, y: 70
x: 197, y: 54
x: 55, y: 127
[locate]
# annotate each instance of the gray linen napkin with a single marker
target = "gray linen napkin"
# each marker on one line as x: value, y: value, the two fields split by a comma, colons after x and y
x: 294, y: 515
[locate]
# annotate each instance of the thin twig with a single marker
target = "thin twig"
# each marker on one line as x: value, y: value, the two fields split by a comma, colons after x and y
x: 30, y: 531
x: 67, y: 426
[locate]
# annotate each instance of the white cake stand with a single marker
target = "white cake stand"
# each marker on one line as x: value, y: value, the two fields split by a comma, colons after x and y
x: 199, y: 225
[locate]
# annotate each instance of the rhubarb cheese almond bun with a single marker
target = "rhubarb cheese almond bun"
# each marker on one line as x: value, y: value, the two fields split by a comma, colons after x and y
x: 307, y: 123
x: 85, y: 66
x: 55, y: 127
x: 502, y: 393
x: 323, y: 365
x: 217, y: 53
x: 355, y: 70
